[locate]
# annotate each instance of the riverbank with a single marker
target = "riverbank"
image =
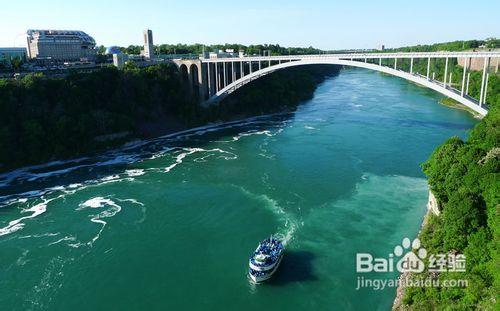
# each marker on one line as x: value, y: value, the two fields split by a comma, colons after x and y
x: 449, y: 102
x: 432, y: 209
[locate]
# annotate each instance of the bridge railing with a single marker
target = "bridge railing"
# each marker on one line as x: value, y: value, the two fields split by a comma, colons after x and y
x: 405, y: 55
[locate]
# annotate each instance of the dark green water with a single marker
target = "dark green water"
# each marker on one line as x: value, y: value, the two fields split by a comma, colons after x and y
x: 170, y: 224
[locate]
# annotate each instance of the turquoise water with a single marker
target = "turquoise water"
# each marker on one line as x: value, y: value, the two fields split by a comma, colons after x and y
x: 170, y: 223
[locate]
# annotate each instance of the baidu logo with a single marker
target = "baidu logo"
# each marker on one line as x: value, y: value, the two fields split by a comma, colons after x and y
x: 406, y: 257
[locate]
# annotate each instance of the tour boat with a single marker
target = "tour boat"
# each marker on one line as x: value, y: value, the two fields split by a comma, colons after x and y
x: 265, y: 259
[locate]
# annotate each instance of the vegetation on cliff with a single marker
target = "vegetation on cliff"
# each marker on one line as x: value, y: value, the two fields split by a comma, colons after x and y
x: 465, y: 178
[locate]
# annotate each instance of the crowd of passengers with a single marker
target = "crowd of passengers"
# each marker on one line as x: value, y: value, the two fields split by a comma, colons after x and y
x: 271, y: 247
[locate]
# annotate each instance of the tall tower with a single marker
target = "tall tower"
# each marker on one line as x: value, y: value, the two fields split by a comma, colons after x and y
x: 148, y: 44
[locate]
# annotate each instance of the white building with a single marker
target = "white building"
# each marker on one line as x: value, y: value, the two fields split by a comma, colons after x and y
x: 148, y: 51
x: 223, y: 54
x: 60, y: 45
x: 119, y: 60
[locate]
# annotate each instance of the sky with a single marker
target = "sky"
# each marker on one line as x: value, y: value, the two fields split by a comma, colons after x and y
x: 325, y: 24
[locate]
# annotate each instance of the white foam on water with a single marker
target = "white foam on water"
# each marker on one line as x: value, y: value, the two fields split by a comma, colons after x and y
x: 142, y: 206
x: 308, y: 127
x: 246, y: 134
x: 96, y: 202
x: 21, y: 261
x: 66, y: 238
x: 18, y: 224
x: 132, y: 201
x: 188, y: 151
x: 135, y: 172
x: 99, y: 202
x: 180, y: 157
x: 111, y: 177
x: 161, y: 153
x: 43, y: 235
x: 41, y: 295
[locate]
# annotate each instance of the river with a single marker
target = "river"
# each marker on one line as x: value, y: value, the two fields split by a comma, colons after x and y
x: 170, y: 223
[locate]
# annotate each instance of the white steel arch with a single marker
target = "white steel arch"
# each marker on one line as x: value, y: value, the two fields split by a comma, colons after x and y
x: 297, y: 61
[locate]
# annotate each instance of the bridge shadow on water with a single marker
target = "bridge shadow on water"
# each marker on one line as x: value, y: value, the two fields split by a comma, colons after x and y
x: 295, y: 267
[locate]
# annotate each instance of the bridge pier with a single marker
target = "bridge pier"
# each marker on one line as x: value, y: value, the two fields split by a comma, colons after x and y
x: 209, y: 81
x: 484, y: 81
x: 216, y: 77
x: 196, y: 78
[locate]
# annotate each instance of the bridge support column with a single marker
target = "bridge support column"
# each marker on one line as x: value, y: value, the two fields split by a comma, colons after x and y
x: 250, y: 65
x: 445, y: 72
x: 395, y: 64
x: 411, y: 65
x: 463, y: 76
x: 486, y: 88
x: 429, y: 68
x: 380, y: 61
x: 234, y: 72
x: 202, y: 82
x: 260, y: 65
x: 483, y: 81
x: 225, y: 75
x: 269, y: 62
x: 216, y: 77
x: 467, y: 85
x: 242, y: 71
x: 209, y: 81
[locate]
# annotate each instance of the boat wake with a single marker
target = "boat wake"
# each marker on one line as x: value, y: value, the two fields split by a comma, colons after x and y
x: 289, y: 222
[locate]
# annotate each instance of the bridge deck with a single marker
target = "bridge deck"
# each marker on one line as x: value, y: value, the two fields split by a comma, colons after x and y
x: 356, y: 56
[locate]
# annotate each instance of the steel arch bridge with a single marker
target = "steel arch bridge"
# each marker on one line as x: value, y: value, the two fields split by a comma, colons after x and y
x: 212, y: 79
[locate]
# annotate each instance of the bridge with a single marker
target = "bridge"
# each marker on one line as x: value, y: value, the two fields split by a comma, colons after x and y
x: 212, y: 79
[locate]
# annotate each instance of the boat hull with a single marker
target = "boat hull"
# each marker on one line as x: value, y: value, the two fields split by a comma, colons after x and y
x: 267, y: 275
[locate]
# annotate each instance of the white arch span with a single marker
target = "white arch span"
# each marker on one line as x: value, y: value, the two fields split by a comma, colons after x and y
x: 422, y: 80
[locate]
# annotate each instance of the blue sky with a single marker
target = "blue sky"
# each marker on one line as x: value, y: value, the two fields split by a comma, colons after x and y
x: 321, y: 23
